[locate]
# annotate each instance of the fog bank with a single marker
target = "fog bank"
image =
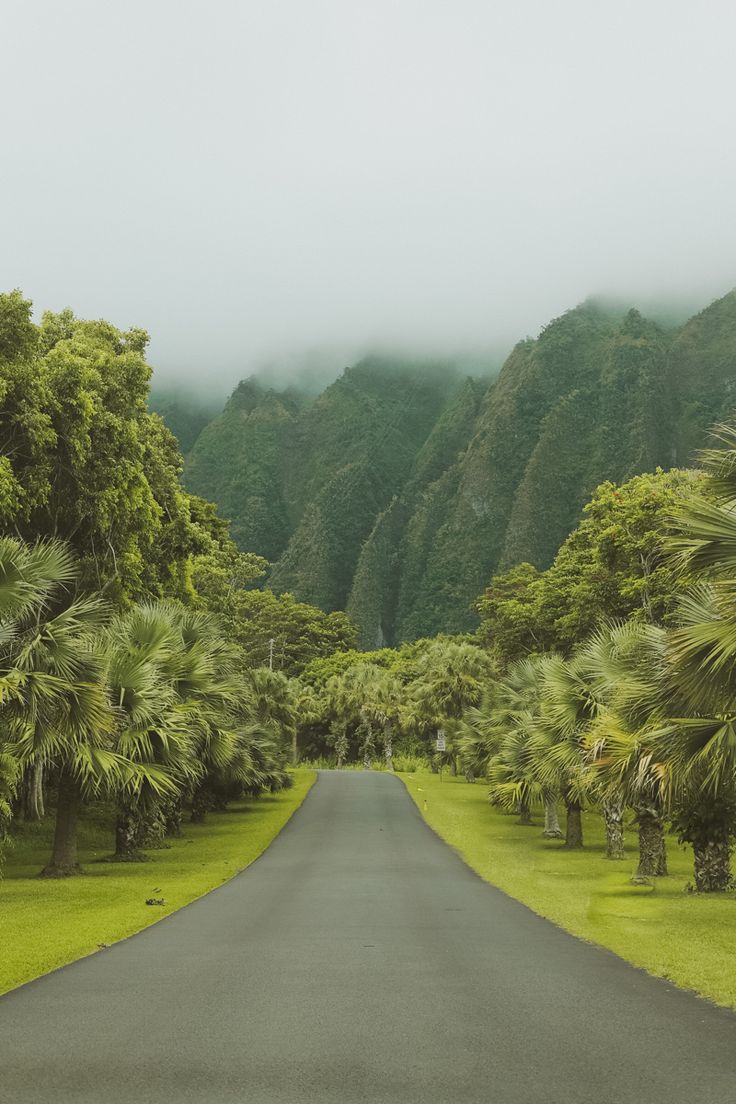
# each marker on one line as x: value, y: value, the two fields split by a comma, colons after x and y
x: 261, y: 185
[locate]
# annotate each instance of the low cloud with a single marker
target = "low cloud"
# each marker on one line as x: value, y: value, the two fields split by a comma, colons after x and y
x: 266, y: 186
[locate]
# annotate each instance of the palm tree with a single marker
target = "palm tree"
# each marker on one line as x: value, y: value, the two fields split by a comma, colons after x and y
x: 236, y: 717
x: 632, y: 664
x: 273, y: 705
x: 450, y: 678
x: 377, y: 694
x: 367, y: 699
x: 698, y: 744
x: 153, y: 725
x: 496, y: 741
x: 9, y: 772
x: 59, y: 713
x: 567, y: 705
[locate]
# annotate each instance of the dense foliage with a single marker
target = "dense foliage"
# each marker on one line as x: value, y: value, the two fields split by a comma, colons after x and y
x: 612, y: 566
x: 82, y: 459
x: 140, y: 666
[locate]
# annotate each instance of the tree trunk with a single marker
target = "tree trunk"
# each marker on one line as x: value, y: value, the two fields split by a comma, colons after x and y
x: 368, y: 748
x: 613, y: 818
x: 152, y: 828
x: 36, y: 808
x: 652, y: 847
x: 388, y: 746
x: 552, y: 828
x: 200, y: 805
x: 294, y: 750
x: 470, y: 775
x: 64, y: 861
x: 173, y: 814
x: 713, y: 864
x: 127, y: 835
x: 574, y: 826
x: 341, y: 747
x: 525, y: 813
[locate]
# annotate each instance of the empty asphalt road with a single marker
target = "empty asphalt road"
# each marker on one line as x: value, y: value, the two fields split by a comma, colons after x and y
x: 359, y: 960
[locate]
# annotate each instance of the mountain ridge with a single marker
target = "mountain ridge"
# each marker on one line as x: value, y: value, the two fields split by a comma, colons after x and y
x: 398, y: 491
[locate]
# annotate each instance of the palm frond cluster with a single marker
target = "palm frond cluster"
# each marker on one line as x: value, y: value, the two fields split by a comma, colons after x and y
x: 151, y: 708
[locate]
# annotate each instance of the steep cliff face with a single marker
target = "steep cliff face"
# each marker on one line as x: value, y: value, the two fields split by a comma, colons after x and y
x: 614, y: 421
x: 702, y: 371
x: 393, y: 559
x: 303, y: 482
x: 355, y: 448
x: 403, y: 487
x: 238, y: 460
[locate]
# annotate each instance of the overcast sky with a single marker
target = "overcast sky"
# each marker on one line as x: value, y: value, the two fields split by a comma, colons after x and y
x: 257, y: 181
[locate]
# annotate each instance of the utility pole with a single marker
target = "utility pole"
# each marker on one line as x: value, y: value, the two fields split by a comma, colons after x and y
x: 270, y: 653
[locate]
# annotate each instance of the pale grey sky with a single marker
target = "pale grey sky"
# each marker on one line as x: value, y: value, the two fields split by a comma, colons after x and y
x: 253, y: 180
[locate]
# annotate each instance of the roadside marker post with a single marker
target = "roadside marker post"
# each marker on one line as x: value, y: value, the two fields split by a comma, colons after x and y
x: 441, y: 745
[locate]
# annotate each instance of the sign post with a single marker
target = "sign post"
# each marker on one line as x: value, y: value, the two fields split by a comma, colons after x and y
x: 441, y: 745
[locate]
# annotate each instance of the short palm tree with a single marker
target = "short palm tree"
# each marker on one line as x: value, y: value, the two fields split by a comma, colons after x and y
x: 450, y: 678
x: 619, y: 741
x: 699, y: 744
x: 152, y: 725
x: 59, y: 712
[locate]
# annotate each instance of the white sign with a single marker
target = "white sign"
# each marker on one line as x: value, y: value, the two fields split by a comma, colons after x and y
x: 441, y: 745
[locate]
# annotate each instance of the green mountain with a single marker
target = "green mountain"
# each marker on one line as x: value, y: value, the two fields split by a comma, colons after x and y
x: 185, y: 414
x: 399, y: 490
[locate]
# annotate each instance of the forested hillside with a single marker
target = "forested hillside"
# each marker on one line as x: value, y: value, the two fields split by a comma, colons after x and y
x: 400, y: 490
x: 185, y: 414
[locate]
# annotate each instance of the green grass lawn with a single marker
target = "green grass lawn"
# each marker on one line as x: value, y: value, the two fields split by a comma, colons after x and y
x: 46, y: 923
x: 687, y: 938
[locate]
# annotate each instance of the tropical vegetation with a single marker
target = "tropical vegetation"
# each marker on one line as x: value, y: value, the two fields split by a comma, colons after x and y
x: 155, y: 671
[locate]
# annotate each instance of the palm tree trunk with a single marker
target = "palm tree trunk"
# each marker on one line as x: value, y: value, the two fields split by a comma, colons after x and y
x: 172, y: 812
x: 64, y: 861
x: 552, y: 828
x: 341, y: 747
x: 713, y: 863
x: 127, y: 832
x: 652, y: 847
x: 388, y: 746
x: 36, y: 807
x: 368, y: 748
x: 200, y: 805
x: 152, y: 828
x: 525, y: 813
x: 613, y: 818
x: 574, y: 825
x: 134, y: 830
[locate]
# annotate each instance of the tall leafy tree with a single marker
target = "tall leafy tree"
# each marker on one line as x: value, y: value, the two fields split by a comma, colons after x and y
x: 81, y: 458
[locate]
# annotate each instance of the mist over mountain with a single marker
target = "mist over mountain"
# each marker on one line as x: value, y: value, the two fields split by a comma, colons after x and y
x: 397, y: 491
x: 400, y: 177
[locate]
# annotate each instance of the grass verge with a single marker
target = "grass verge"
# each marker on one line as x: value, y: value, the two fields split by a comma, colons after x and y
x: 684, y: 937
x: 46, y: 923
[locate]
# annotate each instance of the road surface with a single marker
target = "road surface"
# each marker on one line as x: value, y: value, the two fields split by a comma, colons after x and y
x: 360, y: 960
